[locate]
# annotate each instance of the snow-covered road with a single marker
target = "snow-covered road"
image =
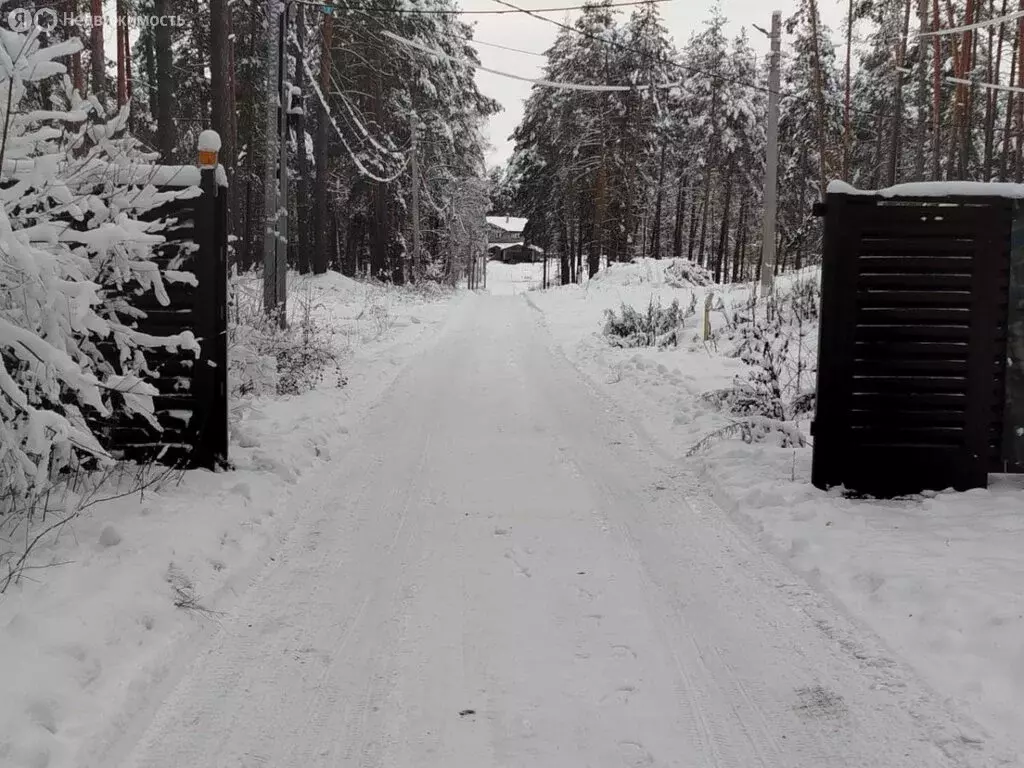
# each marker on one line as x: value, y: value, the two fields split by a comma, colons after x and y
x: 503, y: 573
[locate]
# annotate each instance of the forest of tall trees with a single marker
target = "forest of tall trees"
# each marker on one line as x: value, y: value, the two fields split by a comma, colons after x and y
x: 677, y: 169
x: 357, y: 96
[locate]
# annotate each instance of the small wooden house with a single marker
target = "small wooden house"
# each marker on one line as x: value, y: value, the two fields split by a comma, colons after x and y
x: 506, y: 242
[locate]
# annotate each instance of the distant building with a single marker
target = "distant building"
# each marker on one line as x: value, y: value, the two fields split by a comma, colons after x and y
x: 505, y: 240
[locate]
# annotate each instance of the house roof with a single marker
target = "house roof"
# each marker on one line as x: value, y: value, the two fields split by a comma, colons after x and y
x: 507, y: 223
x: 506, y: 246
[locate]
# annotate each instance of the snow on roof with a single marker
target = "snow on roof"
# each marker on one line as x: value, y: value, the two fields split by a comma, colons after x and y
x: 506, y: 246
x: 507, y: 223
x: 935, y: 189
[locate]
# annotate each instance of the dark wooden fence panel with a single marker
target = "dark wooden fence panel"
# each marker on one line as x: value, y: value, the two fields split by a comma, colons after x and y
x: 192, y: 407
x: 1013, y: 429
x: 912, y: 366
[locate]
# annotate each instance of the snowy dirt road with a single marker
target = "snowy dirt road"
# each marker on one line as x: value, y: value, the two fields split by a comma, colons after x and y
x: 504, y: 574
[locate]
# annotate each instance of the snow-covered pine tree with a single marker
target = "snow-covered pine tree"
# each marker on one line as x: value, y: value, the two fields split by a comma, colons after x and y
x: 72, y: 187
x: 810, y: 118
x: 706, y: 59
x: 647, y: 59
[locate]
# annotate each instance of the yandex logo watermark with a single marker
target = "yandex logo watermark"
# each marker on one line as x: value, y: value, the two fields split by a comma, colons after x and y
x: 26, y: 19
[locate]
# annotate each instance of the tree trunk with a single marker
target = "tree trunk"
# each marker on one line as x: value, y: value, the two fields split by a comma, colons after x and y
x: 165, y: 128
x: 992, y: 96
x: 1018, y: 170
x: 565, y: 253
x: 121, y: 26
x: 896, y: 134
x: 967, y: 132
x: 696, y: 214
x: 77, y: 71
x: 847, y: 127
x: 819, y: 87
x: 677, y: 231
x: 577, y: 268
x: 222, y: 100
x: 1007, y: 144
x: 705, y: 215
x: 655, y: 250
x: 723, y: 236
x: 301, y: 236
x: 936, y: 96
x: 921, y: 124
x: 128, y: 84
x: 741, y: 239
x: 321, y: 192
x: 97, y: 54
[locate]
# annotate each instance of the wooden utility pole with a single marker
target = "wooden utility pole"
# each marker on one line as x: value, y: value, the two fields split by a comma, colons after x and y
x: 771, y: 168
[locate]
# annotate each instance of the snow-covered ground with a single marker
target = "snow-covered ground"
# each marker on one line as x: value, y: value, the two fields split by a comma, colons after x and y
x: 502, y: 575
x: 467, y: 556
x: 85, y: 642
x: 938, y: 577
x: 510, y: 279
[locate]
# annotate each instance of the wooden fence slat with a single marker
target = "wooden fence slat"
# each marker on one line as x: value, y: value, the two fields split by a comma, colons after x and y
x: 899, y: 298
x: 922, y: 281
x: 912, y: 333
x: 881, y: 264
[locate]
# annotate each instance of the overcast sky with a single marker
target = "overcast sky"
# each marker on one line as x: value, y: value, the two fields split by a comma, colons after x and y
x: 682, y: 17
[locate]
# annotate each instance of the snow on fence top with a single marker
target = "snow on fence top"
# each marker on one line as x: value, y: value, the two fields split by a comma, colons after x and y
x: 507, y: 223
x: 935, y: 189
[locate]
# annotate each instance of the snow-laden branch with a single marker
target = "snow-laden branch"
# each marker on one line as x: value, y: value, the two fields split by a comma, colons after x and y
x: 341, y: 137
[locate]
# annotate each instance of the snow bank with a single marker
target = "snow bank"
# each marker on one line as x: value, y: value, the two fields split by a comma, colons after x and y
x: 88, y: 640
x: 937, y: 577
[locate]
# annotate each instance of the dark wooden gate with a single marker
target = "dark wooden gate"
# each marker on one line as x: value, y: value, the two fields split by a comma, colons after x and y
x: 192, y: 407
x: 913, y: 343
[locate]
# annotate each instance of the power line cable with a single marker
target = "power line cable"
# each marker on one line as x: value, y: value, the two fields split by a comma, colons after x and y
x: 977, y: 25
x: 488, y: 12
x: 958, y: 81
x: 505, y: 47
